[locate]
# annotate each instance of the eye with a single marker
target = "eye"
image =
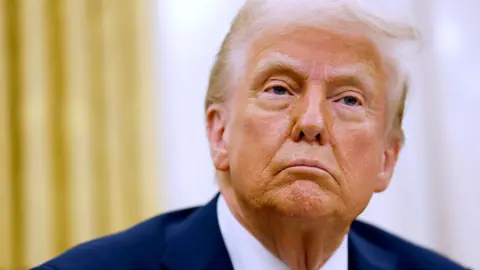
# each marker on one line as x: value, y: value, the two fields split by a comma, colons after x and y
x: 350, y: 101
x: 278, y: 90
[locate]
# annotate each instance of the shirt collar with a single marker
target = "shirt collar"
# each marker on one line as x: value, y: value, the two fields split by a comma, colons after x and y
x: 246, y: 252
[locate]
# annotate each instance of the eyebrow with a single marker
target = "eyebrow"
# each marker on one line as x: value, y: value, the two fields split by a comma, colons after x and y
x: 359, y: 74
x: 280, y: 63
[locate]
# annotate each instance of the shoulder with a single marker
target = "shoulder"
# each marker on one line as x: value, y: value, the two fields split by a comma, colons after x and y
x: 139, y: 247
x: 409, y: 255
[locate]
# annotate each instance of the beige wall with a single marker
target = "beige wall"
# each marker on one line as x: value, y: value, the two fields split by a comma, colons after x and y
x: 433, y: 199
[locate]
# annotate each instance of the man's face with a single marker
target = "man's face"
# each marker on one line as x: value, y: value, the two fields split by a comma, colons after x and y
x: 303, y: 134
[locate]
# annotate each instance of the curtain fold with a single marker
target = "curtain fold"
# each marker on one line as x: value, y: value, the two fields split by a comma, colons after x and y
x: 77, y: 142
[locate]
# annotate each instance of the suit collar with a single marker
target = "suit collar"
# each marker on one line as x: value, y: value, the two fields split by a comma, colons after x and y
x: 197, y: 242
x: 364, y: 255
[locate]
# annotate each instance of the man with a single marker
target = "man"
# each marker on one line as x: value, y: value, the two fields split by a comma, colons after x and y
x: 304, y: 113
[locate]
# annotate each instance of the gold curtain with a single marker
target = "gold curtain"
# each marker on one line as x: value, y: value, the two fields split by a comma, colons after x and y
x: 76, y: 123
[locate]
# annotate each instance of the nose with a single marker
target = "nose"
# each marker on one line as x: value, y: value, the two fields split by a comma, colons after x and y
x: 309, y: 119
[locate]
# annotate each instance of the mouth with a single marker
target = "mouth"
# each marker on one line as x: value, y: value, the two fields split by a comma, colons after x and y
x: 306, y: 169
x: 301, y: 171
x: 307, y: 164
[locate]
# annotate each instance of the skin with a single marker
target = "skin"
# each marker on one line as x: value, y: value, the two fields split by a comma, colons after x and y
x: 300, y: 146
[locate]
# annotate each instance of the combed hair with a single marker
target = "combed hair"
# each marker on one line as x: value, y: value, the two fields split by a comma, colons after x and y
x: 258, y: 17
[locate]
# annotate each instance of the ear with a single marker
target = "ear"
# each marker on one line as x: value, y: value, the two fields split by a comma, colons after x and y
x: 389, y: 160
x: 217, y: 117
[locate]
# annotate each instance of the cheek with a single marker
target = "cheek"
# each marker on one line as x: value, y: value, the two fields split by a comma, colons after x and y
x: 358, y: 152
x: 254, y: 140
x: 259, y: 132
x: 360, y: 143
x: 367, y: 159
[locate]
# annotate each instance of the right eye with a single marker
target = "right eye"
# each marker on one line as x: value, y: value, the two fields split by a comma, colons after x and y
x: 278, y: 90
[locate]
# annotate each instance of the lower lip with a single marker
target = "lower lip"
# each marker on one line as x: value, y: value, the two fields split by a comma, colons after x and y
x: 308, y: 169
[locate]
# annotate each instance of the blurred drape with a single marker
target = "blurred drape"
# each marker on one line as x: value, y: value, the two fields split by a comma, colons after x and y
x: 76, y: 87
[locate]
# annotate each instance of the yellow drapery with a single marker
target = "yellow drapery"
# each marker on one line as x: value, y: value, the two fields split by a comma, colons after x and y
x: 76, y: 131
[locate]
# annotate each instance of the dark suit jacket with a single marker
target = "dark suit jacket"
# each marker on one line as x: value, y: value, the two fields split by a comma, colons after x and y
x: 190, y: 239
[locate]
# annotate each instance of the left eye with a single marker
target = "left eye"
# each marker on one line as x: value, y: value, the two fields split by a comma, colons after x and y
x: 350, y: 101
x: 278, y: 90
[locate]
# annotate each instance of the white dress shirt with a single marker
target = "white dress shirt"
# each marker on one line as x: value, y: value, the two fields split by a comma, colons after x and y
x: 246, y: 252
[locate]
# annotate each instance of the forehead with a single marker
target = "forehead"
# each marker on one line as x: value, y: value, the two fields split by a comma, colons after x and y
x: 315, y: 53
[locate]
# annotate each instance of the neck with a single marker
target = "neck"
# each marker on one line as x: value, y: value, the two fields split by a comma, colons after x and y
x: 302, y: 244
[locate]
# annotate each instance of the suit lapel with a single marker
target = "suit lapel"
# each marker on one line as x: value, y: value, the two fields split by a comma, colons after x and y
x: 364, y: 255
x: 197, y: 243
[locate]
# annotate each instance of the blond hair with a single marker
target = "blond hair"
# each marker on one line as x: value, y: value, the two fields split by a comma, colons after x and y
x: 259, y: 16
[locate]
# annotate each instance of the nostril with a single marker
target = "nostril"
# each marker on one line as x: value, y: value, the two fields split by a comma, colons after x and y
x: 301, y: 135
x: 317, y: 137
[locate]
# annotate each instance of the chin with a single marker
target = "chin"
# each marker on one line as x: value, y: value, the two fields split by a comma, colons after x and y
x: 302, y: 199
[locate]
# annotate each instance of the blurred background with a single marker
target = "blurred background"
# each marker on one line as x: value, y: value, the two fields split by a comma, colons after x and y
x: 101, y: 122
